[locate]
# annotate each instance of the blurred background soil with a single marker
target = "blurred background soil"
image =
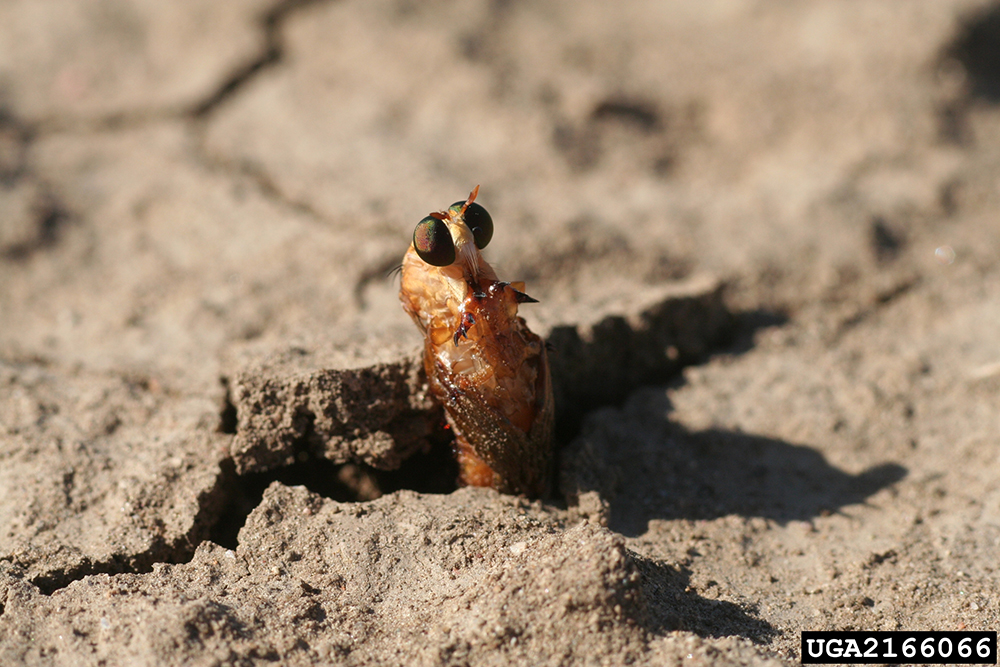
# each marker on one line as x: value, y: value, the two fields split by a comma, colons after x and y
x: 763, y: 236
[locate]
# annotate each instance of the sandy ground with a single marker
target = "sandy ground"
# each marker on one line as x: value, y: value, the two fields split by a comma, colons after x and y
x: 764, y: 239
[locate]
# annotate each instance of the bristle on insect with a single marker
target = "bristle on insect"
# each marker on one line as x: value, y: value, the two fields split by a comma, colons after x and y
x: 521, y: 297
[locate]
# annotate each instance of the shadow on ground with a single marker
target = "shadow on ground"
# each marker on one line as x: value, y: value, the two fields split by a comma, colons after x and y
x: 672, y: 605
x: 664, y: 471
x: 977, y: 47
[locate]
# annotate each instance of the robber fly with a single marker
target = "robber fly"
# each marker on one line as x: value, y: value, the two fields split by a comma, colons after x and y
x: 484, y: 365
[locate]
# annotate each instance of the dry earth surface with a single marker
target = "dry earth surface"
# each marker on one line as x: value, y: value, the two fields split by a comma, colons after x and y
x: 764, y: 238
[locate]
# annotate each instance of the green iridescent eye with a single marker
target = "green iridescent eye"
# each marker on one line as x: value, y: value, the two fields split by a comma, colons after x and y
x: 433, y: 243
x: 478, y: 220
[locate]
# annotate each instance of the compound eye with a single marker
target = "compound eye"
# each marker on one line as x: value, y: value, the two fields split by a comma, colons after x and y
x: 432, y: 241
x: 479, y: 221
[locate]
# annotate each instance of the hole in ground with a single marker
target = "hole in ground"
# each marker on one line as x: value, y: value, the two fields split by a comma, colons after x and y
x: 431, y: 471
x: 592, y: 366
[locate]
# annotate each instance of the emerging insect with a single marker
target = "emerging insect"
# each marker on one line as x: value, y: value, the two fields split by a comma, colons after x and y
x: 484, y: 365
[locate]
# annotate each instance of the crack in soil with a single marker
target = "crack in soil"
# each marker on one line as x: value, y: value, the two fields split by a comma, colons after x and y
x: 272, y: 54
x: 211, y: 504
x: 37, y: 223
x: 591, y: 372
x: 51, y: 215
x: 881, y: 300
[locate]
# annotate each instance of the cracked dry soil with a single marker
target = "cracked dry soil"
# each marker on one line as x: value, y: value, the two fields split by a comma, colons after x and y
x: 764, y: 238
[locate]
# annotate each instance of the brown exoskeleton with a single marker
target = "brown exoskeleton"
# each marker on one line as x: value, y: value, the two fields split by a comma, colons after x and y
x: 483, y: 364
